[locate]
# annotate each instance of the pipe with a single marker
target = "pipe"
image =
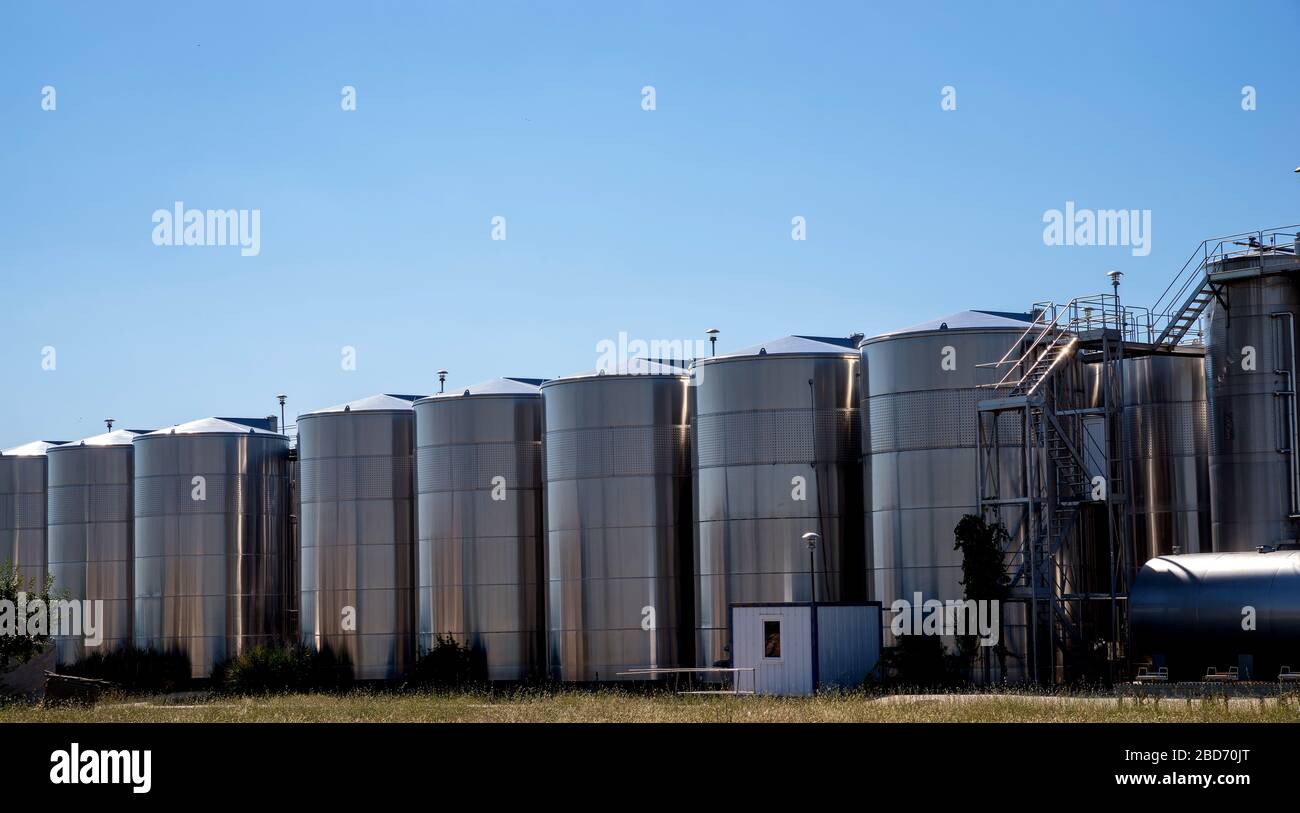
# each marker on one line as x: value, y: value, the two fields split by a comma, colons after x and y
x: 1289, y: 395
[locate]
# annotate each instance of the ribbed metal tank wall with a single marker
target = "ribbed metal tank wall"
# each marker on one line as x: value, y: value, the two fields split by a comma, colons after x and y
x: 777, y: 455
x: 211, y: 540
x: 1188, y: 612
x: 1251, y: 339
x: 23, y: 483
x: 480, y: 563
x: 1168, y: 444
x: 618, y: 515
x: 92, y: 535
x: 357, y: 528
x: 920, y: 391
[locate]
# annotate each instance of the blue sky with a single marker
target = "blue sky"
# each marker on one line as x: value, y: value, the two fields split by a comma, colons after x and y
x: 376, y: 223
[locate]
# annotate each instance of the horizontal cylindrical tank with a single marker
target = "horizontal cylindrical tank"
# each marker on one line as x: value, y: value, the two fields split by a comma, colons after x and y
x: 777, y: 455
x: 1219, y: 610
x: 23, y: 483
x: 357, y: 528
x: 1251, y: 371
x: 920, y: 398
x: 480, y: 565
x: 618, y: 518
x: 211, y: 540
x: 1167, y: 441
x: 91, y: 537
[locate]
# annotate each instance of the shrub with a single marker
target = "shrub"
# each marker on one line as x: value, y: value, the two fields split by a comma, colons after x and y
x: 448, y: 665
x: 918, y: 661
x: 135, y: 670
x: 278, y: 669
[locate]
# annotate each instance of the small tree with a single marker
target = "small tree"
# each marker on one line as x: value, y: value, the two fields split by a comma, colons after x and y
x: 16, y: 649
x: 984, y: 574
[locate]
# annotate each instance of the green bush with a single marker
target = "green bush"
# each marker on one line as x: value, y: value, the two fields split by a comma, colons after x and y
x: 449, y: 665
x: 278, y: 669
x: 15, y: 649
x: 135, y: 670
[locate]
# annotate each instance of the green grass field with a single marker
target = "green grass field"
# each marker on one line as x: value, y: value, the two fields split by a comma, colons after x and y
x: 565, y: 706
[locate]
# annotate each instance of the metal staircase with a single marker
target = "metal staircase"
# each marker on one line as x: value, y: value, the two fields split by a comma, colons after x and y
x: 1185, y: 318
x: 1180, y: 306
x: 1039, y: 396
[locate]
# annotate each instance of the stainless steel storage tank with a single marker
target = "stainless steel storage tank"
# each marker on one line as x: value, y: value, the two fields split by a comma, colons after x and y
x: 211, y: 540
x: 480, y: 563
x: 92, y: 535
x: 618, y: 518
x: 1219, y: 610
x: 777, y: 455
x: 1251, y: 368
x: 23, y: 479
x: 357, y: 521
x: 920, y: 395
x: 1168, y: 444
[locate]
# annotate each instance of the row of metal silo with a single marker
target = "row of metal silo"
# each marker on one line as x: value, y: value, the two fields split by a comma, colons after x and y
x: 578, y: 528
x: 443, y: 515
x: 180, y: 536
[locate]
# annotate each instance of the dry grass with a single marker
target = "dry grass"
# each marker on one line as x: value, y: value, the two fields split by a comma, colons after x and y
x: 571, y: 706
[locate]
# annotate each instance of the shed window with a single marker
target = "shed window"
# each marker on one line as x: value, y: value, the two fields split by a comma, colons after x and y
x: 771, y: 639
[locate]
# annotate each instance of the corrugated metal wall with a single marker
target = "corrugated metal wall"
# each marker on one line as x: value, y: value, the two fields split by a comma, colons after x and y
x: 848, y: 644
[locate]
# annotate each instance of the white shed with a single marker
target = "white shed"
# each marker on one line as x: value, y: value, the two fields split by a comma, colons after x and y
x: 791, y: 650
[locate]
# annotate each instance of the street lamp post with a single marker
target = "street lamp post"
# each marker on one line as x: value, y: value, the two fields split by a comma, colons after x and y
x: 811, y: 539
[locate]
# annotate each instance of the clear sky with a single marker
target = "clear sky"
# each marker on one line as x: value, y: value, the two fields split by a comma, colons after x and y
x: 376, y: 223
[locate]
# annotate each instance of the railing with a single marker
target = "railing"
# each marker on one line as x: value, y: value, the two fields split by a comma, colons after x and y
x: 653, y: 672
x: 1133, y: 323
x: 1280, y: 240
x: 1078, y: 316
x: 1045, y: 322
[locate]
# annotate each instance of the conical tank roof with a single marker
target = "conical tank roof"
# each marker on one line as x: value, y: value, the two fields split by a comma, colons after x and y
x: 794, y: 346
x: 633, y: 367
x: 36, y: 448
x: 966, y: 320
x: 117, y: 437
x: 384, y: 402
x: 210, y: 426
x: 508, y: 385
